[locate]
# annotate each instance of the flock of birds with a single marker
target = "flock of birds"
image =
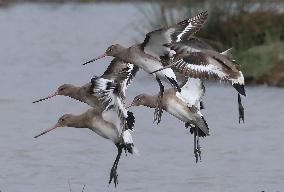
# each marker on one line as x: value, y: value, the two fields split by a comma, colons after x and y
x: 165, y: 53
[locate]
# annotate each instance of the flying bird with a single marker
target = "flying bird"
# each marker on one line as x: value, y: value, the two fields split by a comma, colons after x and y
x: 147, y: 55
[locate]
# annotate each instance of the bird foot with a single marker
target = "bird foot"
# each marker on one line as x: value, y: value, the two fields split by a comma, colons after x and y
x: 158, y: 110
x: 197, y: 149
x: 197, y: 154
x: 241, y: 110
x: 113, y: 176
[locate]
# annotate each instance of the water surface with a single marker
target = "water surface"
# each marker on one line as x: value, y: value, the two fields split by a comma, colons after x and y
x: 42, y: 47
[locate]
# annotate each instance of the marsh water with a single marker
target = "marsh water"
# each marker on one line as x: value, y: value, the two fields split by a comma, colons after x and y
x: 42, y: 46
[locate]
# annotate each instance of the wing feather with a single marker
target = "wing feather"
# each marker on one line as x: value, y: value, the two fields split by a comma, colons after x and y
x: 154, y: 41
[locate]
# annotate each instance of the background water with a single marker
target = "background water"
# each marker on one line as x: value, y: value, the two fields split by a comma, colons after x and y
x: 42, y: 47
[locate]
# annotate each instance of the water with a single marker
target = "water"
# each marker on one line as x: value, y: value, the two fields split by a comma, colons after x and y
x: 42, y: 47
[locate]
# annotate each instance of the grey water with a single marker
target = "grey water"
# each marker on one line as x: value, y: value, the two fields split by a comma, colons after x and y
x: 43, y: 46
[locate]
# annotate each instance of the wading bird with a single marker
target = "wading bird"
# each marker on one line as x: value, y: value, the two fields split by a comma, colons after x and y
x: 184, y: 105
x: 108, y: 118
x: 147, y: 55
x: 191, y: 60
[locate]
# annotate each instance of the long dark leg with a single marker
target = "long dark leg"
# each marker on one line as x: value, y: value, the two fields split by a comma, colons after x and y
x: 241, y: 109
x: 158, y: 110
x: 195, y: 147
x: 113, y: 171
x: 198, y: 146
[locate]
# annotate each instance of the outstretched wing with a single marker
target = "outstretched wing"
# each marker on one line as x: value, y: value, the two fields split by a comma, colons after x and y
x: 204, y: 64
x: 110, y: 90
x: 107, y: 91
x: 121, y: 72
x: 155, y: 40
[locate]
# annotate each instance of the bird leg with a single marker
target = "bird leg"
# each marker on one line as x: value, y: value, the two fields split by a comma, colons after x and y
x: 195, y: 147
x: 158, y: 110
x: 113, y: 171
x: 241, y: 109
x: 198, y: 146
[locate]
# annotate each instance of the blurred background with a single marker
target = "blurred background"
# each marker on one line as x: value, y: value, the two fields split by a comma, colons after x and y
x: 254, y: 28
x: 43, y: 44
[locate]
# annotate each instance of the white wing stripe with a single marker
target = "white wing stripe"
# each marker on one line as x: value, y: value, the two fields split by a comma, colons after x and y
x: 210, y: 69
x: 188, y: 27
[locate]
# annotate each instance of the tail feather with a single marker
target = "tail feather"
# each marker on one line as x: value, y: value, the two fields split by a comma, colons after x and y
x: 128, y: 143
x: 240, y: 88
x: 241, y: 109
x: 239, y: 84
x: 203, y: 129
x: 130, y: 120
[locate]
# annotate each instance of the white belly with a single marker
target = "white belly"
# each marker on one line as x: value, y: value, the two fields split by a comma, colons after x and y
x: 150, y: 65
x: 192, y: 92
x: 105, y: 130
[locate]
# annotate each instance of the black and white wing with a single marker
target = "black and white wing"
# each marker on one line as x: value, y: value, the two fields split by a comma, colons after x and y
x: 192, y: 92
x: 110, y: 90
x: 201, y: 63
x: 107, y: 91
x: 195, y: 62
x: 155, y: 40
x: 121, y: 72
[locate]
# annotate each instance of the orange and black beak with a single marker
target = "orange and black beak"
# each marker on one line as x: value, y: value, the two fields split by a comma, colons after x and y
x: 48, y: 130
x: 99, y: 57
x: 48, y: 97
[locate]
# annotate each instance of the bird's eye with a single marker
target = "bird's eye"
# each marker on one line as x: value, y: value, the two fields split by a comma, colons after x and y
x: 62, y: 120
x: 61, y: 89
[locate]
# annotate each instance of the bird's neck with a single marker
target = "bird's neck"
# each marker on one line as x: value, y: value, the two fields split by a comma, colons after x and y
x: 151, y: 101
x: 124, y: 54
x: 79, y: 121
x: 77, y: 93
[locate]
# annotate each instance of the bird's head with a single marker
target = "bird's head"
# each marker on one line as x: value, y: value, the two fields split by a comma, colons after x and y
x: 64, y: 121
x: 65, y: 89
x: 139, y: 100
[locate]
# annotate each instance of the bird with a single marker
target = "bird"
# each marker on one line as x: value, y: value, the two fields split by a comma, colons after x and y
x: 84, y: 93
x: 147, y: 55
x: 184, y: 105
x: 193, y: 59
x: 109, y: 121
x: 96, y: 121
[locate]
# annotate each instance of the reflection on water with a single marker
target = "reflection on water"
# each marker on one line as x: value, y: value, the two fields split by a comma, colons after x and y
x: 43, y: 46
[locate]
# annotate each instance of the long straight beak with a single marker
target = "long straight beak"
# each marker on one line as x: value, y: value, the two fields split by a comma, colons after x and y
x: 48, y: 97
x: 168, y: 66
x: 47, y: 130
x: 99, y: 57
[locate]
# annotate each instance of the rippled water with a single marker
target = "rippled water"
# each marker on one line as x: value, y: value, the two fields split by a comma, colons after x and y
x: 42, y: 46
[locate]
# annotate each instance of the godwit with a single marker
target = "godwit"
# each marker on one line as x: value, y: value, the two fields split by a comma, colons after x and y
x: 96, y: 121
x: 85, y: 93
x: 194, y: 61
x: 110, y: 120
x: 184, y: 106
x: 147, y: 55
x: 118, y: 71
